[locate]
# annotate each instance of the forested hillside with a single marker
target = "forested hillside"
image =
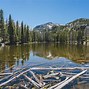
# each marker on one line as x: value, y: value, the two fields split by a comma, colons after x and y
x: 76, y: 32
x: 11, y: 32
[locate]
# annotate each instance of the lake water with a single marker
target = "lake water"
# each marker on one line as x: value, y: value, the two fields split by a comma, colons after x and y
x: 45, y: 55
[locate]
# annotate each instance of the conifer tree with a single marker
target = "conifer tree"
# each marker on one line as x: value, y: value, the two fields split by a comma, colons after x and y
x: 22, y: 33
x: 27, y: 34
x: 17, y: 32
x: 11, y: 30
x: 2, y: 30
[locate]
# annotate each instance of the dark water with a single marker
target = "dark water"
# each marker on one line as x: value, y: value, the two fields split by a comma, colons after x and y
x: 45, y: 55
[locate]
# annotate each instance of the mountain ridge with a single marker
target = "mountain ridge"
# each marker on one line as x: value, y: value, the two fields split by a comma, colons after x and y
x: 76, y: 23
x: 45, y: 26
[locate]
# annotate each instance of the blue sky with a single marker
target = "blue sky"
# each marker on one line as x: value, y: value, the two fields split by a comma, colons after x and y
x: 35, y: 12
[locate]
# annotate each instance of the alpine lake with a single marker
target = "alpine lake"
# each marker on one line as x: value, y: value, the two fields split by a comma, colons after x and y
x: 45, y: 55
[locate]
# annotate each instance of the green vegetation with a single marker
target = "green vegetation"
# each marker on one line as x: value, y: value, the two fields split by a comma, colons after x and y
x: 12, y: 32
x: 63, y: 35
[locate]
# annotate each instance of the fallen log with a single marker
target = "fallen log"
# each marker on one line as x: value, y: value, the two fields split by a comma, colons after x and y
x: 50, y: 80
x: 50, y: 75
x: 59, y: 68
x: 32, y: 81
x: 14, y: 77
x: 71, y: 79
x: 71, y: 74
x: 1, y: 74
x: 36, y: 77
x: 52, y: 87
x: 14, y: 73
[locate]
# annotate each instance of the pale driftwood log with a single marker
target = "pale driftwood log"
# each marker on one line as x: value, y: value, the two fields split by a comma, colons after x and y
x: 5, y: 77
x: 86, y: 76
x: 58, y: 68
x: 14, y: 77
x: 32, y: 81
x: 71, y: 74
x: 18, y: 71
x: 36, y: 77
x: 1, y: 74
x: 38, y: 80
x: 52, y: 87
x: 71, y: 79
x: 7, y: 81
x: 10, y: 75
x: 50, y: 75
x: 50, y: 80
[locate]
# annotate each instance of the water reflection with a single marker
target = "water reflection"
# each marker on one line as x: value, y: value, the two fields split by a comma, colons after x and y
x: 10, y: 55
x: 79, y: 54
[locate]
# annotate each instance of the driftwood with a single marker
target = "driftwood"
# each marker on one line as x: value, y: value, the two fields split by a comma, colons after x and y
x: 36, y: 77
x: 38, y: 83
x: 51, y: 80
x: 1, y: 74
x: 50, y: 75
x: 58, y: 68
x: 14, y: 77
x: 52, y: 87
x: 71, y: 74
x: 5, y: 77
x: 11, y: 75
x: 14, y: 73
x: 71, y: 79
x: 32, y: 81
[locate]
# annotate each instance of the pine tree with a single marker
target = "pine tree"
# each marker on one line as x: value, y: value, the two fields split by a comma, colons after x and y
x: 2, y: 30
x: 11, y: 31
x: 24, y: 30
x: 22, y: 33
x: 27, y: 34
x: 17, y: 32
x: 6, y: 31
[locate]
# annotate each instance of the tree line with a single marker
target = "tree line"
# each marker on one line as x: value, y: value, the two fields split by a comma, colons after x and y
x: 12, y: 33
x: 62, y: 35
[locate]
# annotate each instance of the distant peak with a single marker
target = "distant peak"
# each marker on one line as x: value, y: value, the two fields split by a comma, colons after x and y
x: 48, y: 25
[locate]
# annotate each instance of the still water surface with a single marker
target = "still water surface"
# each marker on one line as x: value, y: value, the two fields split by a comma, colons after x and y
x: 45, y: 55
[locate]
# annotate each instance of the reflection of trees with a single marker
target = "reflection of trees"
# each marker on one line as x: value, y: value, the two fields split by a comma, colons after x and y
x: 9, y: 55
x: 76, y: 53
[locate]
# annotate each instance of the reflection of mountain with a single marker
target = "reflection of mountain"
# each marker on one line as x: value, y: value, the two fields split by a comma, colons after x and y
x: 48, y: 55
x: 76, y: 53
x: 10, y: 55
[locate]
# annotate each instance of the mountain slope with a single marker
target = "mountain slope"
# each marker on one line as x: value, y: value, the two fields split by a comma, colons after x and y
x: 78, y: 23
x: 46, y: 26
